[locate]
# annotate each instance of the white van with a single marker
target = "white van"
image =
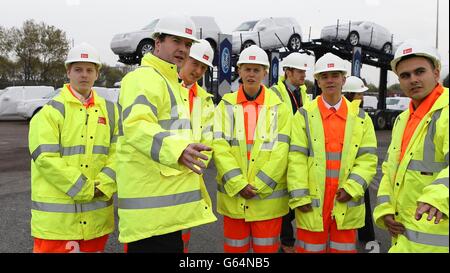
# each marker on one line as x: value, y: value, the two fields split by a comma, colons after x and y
x: 13, y: 95
x: 397, y: 103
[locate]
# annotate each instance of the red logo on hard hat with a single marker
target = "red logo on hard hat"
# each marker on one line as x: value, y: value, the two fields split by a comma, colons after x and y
x: 330, y: 65
x: 406, y: 51
x: 84, y: 55
x: 206, y: 57
x: 188, y: 30
x: 252, y: 58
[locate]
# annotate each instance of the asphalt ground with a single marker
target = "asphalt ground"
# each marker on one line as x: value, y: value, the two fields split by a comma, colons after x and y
x: 15, y: 199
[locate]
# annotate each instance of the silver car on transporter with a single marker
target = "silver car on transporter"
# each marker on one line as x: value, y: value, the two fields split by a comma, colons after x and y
x: 364, y: 33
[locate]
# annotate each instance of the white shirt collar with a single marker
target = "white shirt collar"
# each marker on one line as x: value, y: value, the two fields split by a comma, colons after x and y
x: 336, y: 106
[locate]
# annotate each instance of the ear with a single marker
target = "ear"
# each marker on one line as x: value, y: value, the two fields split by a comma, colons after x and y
x: 436, y: 74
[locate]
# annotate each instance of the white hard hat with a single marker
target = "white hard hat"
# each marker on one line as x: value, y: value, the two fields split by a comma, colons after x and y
x: 296, y: 60
x: 354, y: 84
x: 203, y: 52
x: 417, y: 48
x: 254, y: 55
x: 181, y: 26
x: 329, y: 62
x: 83, y: 52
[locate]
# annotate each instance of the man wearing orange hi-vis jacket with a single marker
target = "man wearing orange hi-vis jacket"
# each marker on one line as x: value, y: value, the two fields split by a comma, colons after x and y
x: 412, y: 202
x: 332, y: 160
x: 251, y: 142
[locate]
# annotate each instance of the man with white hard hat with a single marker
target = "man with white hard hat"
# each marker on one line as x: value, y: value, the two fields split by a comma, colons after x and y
x: 201, y: 106
x: 291, y: 89
x: 332, y: 160
x: 160, y: 159
x: 72, y: 142
x: 251, y: 142
x: 413, y: 196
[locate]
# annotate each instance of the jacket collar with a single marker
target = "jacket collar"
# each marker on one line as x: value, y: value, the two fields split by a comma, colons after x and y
x: 168, y: 70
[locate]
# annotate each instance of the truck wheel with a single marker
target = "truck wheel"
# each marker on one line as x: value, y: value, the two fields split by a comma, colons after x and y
x: 380, y: 121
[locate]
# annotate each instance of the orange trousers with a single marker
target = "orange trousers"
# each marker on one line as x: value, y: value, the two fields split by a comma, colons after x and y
x: 261, y: 236
x: 331, y: 239
x: 69, y: 246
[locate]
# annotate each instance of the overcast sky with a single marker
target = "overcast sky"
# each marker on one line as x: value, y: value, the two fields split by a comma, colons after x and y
x: 96, y: 21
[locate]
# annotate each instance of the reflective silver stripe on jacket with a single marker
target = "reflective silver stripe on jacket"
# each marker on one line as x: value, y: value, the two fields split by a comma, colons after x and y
x: 114, y: 139
x: 359, y: 202
x: 333, y: 155
x: 274, y: 89
x: 361, y: 113
x: 310, y: 247
x: 207, y: 130
x: 359, y: 180
x: 45, y: 148
x: 140, y: 100
x: 111, y: 118
x: 173, y: 101
x: 70, y: 208
x: 427, y: 238
x: 74, y: 150
x: 332, y: 173
x: 219, y: 135
x: 230, y: 174
x: 273, y: 195
x: 342, y: 246
x: 383, y: 199
x: 366, y: 150
x: 299, y: 193
x: 284, y: 138
x: 119, y: 108
x: 58, y: 106
x: 441, y: 181
x: 237, y: 243
x: 315, y: 203
x: 157, y: 144
x: 265, y: 241
x: 76, y: 188
x: 109, y: 172
x: 160, y: 201
x: 308, y: 133
x: 266, y: 179
x: 175, y: 124
x: 428, y: 163
x: 295, y: 148
x: 103, y: 150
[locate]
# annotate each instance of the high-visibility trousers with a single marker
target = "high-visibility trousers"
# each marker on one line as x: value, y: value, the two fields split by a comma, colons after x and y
x: 186, y: 236
x: 331, y: 239
x: 261, y: 236
x: 69, y: 246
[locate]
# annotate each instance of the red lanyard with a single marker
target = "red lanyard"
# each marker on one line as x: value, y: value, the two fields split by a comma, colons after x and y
x: 295, y: 100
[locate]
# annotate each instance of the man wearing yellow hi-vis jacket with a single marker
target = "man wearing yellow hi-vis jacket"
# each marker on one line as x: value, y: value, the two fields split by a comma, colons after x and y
x: 159, y: 160
x: 251, y: 140
x: 414, y: 187
x: 72, y: 144
x: 332, y: 160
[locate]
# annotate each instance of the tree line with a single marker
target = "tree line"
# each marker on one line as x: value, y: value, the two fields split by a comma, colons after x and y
x: 34, y: 54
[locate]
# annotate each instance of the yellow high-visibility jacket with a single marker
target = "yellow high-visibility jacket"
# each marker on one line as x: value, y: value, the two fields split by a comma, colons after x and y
x: 282, y: 93
x: 73, y: 148
x: 266, y: 170
x: 157, y: 195
x: 307, y: 166
x: 421, y: 176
